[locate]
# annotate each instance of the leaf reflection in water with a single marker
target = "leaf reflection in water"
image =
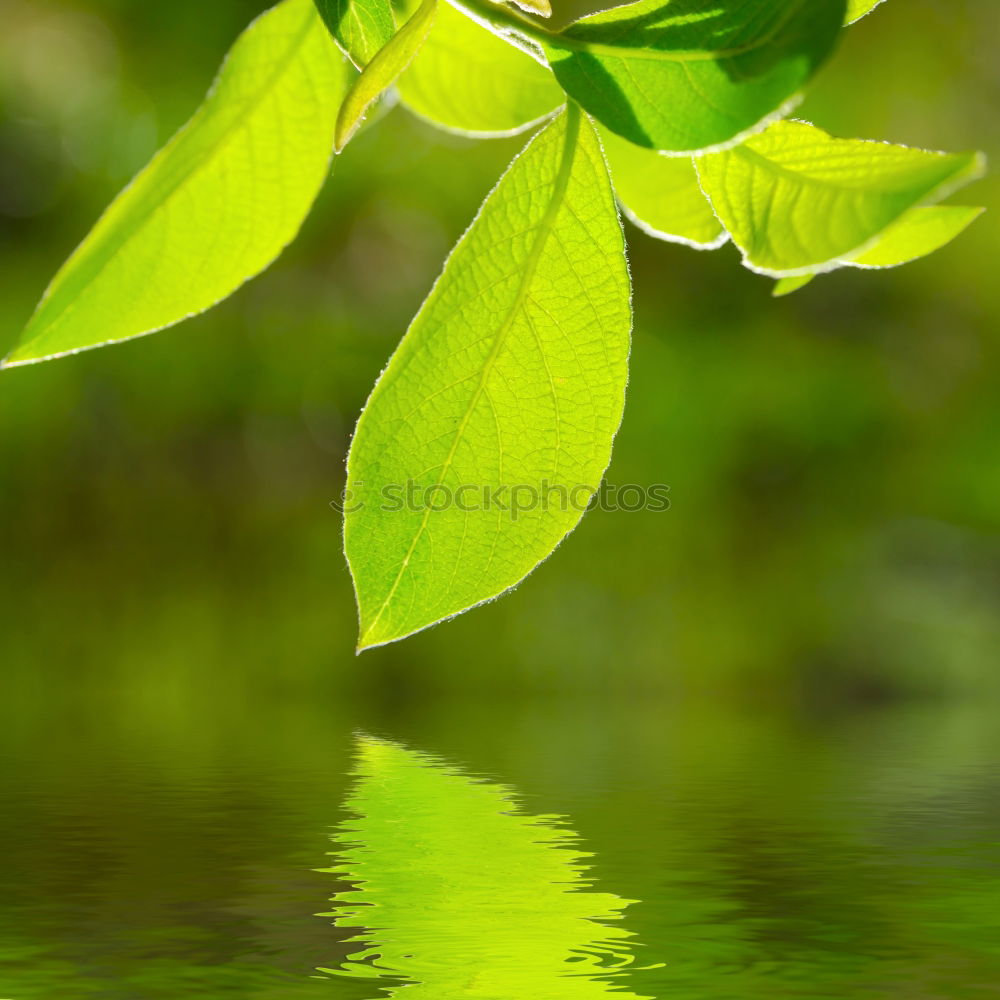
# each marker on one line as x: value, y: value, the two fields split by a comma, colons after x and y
x: 459, y: 893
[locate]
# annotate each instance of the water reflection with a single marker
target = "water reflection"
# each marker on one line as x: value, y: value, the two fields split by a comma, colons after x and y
x: 461, y: 894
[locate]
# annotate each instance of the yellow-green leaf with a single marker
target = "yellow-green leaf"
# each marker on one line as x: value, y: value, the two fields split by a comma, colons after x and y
x: 501, y: 403
x: 796, y: 200
x: 661, y: 194
x: 856, y: 9
x: 385, y: 66
x: 216, y: 205
x: 917, y: 234
x: 468, y: 80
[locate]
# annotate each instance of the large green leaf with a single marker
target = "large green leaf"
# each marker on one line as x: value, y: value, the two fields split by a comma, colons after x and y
x: 384, y: 68
x: 856, y: 9
x: 917, y: 234
x: 690, y: 75
x: 796, y: 200
x: 461, y: 894
x: 216, y: 205
x: 361, y: 27
x: 467, y: 79
x: 511, y: 377
x: 661, y: 194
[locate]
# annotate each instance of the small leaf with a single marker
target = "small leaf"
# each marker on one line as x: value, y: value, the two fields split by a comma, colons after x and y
x: 785, y: 286
x: 383, y: 69
x: 462, y: 895
x: 216, y: 205
x: 511, y: 378
x: 796, y: 200
x: 361, y: 27
x: 917, y: 234
x: 468, y: 80
x: 687, y: 76
x: 856, y: 9
x: 661, y: 194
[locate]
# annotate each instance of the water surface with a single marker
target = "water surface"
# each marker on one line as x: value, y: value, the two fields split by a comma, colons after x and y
x: 506, y: 851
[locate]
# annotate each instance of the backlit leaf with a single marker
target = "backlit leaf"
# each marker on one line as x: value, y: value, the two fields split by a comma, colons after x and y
x: 661, y: 194
x: 361, y: 27
x: 383, y: 69
x: 511, y: 376
x: 461, y: 894
x: 216, y: 205
x: 856, y: 9
x: 690, y: 75
x: 917, y: 234
x: 467, y: 79
x: 796, y: 200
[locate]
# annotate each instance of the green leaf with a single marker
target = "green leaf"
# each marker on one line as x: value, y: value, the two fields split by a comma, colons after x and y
x: 661, y: 194
x: 796, y: 200
x: 460, y: 893
x: 468, y: 80
x: 382, y: 71
x: 785, y: 286
x: 856, y: 9
x: 361, y: 27
x: 216, y: 205
x: 512, y: 375
x: 917, y: 234
x: 691, y: 75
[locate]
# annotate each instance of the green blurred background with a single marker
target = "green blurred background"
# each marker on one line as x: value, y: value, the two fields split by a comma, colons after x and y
x: 770, y: 710
x: 831, y: 456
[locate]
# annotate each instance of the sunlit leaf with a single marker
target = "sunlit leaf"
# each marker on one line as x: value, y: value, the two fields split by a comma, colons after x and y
x: 383, y: 69
x: 361, y: 27
x: 785, y: 286
x: 661, y: 194
x: 856, y: 9
x: 461, y: 894
x: 216, y: 205
x: 689, y: 75
x: 467, y: 79
x: 917, y: 234
x: 511, y: 376
x: 796, y: 200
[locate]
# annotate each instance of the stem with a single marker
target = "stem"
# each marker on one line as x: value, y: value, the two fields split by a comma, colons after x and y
x: 505, y: 17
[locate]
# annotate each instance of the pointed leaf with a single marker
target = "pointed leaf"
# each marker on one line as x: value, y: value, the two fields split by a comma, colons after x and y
x: 686, y: 75
x: 917, y: 234
x: 216, y: 205
x: 661, y: 194
x: 361, y: 27
x: 460, y: 893
x: 382, y: 71
x: 856, y: 9
x: 468, y: 80
x: 511, y: 379
x: 785, y: 286
x: 796, y: 200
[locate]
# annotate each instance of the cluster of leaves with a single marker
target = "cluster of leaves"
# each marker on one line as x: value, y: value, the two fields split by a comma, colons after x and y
x: 514, y: 370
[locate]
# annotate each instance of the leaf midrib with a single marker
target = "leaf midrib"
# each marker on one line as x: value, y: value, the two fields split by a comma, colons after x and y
x: 545, y: 228
x: 660, y: 55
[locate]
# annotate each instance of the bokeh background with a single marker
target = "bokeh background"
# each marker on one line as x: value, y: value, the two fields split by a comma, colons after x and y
x: 782, y: 688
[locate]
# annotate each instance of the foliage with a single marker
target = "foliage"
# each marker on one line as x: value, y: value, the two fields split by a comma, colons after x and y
x: 513, y: 373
